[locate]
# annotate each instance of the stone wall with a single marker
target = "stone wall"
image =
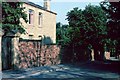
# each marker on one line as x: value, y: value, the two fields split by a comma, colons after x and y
x: 33, y: 54
x: 47, y: 27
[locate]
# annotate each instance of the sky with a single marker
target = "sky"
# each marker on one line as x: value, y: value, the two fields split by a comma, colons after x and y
x: 62, y: 7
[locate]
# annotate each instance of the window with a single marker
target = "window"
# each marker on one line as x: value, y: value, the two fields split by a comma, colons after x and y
x: 31, y: 16
x: 40, y: 19
x: 30, y: 36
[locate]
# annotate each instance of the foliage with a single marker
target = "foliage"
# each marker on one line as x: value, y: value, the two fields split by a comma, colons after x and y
x: 86, y: 30
x: 62, y: 34
x: 11, y: 14
x: 89, y: 26
x: 113, y: 14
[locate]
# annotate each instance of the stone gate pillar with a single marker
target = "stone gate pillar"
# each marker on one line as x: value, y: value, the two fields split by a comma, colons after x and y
x: 0, y: 53
x: 0, y: 57
x: 1, y: 34
x: 15, y: 48
x: 15, y: 43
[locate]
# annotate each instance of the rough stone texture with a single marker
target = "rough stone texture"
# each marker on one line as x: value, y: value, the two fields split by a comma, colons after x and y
x: 32, y: 54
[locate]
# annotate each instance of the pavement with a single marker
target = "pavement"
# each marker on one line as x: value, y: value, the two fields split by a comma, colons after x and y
x: 66, y: 72
x: 114, y: 59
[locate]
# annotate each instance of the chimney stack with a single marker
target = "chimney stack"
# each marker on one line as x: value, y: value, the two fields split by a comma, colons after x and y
x: 47, y: 4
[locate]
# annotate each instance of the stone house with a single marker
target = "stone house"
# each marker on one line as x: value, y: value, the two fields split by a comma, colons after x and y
x: 41, y: 26
x: 41, y: 22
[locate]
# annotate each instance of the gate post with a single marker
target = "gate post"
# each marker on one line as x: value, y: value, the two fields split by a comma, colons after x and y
x: 0, y: 53
x: 15, y: 49
x: 1, y: 34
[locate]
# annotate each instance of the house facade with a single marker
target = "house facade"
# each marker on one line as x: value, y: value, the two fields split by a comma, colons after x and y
x: 41, y: 23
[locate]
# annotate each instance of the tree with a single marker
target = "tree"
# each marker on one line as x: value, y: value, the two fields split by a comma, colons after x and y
x: 62, y: 34
x: 113, y: 14
x: 97, y: 29
x: 76, y: 22
x: 88, y: 27
x: 11, y: 14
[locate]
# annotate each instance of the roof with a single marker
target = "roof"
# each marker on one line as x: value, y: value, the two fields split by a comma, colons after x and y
x: 38, y: 6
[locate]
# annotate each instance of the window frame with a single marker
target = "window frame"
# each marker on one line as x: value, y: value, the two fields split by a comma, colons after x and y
x: 40, y: 19
x: 31, y: 17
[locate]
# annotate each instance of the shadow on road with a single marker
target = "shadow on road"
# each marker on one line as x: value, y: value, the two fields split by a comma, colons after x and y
x: 111, y: 66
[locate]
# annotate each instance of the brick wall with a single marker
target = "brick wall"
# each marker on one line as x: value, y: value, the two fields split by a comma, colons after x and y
x: 33, y: 54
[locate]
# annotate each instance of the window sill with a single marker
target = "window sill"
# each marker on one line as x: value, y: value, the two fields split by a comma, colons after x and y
x: 39, y: 26
x: 31, y: 25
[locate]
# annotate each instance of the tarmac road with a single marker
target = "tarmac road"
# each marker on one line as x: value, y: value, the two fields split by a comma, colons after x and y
x: 66, y: 72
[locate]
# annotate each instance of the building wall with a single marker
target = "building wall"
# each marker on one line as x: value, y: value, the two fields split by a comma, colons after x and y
x: 48, y: 26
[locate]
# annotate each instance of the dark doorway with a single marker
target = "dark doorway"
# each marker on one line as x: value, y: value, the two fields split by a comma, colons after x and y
x: 6, y: 53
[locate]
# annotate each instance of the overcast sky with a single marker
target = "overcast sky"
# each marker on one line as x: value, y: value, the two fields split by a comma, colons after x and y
x: 61, y: 7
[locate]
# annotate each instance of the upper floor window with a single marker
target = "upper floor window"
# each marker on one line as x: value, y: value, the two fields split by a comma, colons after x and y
x: 31, y: 16
x: 40, y: 19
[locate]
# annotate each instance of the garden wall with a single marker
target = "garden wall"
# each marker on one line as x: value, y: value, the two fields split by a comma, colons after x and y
x: 32, y: 53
